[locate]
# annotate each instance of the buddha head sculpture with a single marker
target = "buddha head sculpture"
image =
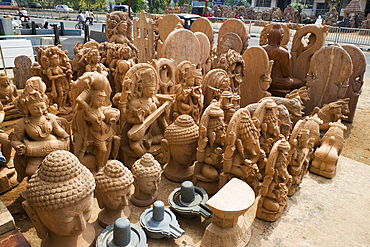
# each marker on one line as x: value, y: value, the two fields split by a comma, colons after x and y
x: 113, y: 190
x: 4, y: 80
x: 275, y: 34
x: 179, y: 148
x: 60, y: 200
x: 147, y: 175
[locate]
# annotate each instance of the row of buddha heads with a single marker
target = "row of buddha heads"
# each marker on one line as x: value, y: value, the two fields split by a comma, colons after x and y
x: 59, y: 196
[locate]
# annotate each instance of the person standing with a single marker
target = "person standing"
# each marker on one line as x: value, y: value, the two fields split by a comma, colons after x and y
x: 92, y: 16
x: 87, y: 15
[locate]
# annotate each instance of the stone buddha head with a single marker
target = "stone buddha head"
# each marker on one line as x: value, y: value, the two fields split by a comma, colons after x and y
x: 179, y: 148
x: 60, y: 199
x: 147, y: 175
x: 275, y: 34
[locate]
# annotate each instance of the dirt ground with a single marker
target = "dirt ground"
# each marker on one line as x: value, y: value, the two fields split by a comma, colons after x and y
x: 356, y: 147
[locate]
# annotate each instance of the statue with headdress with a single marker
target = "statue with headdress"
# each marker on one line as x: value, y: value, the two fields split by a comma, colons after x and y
x: 143, y: 116
x: 94, y: 120
x: 38, y: 132
x: 210, y: 149
x: 243, y: 157
x: 276, y: 183
x: 188, y: 91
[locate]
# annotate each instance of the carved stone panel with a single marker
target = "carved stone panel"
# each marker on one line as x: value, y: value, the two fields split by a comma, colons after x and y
x: 144, y: 37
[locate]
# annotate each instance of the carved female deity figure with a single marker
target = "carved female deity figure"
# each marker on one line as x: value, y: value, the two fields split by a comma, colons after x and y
x: 326, y: 156
x: 145, y: 123
x: 147, y: 175
x: 94, y: 120
x: 179, y: 148
x: 243, y: 157
x: 113, y: 190
x: 299, y: 150
x: 275, y: 186
x: 189, y: 98
x: 210, y: 149
x: 8, y: 93
x: 60, y: 201
x: 93, y: 62
x: 38, y: 133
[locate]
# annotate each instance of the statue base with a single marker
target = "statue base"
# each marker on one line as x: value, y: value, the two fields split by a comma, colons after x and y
x: 236, y: 236
x: 178, y: 174
x: 267, y: 215
x: 8, y: 179
x: 107, y: 218
x: 322, y: 172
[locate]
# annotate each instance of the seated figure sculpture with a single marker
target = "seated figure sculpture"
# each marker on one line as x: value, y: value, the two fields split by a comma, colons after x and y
x: 282, y: 82
x: 8, y: 93
x: 179, y: 148
x: 113, y: 190
x: 94, y: 120
x: 144, y: 117
x: 93, y: 62
x: 38, y: 133
x: 210, y: 149
x: 147, y: 175
x: 60, y: 208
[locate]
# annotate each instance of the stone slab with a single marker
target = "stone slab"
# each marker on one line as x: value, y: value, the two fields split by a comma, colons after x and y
x: 6, y: 219
x: 13, y: 238
x: 99, y: 37
x: 13, y: 48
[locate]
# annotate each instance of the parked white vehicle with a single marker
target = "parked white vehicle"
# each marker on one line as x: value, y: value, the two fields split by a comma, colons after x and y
x: 63, y: 8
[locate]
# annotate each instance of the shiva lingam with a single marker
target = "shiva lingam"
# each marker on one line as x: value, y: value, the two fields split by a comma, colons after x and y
x: 189, y: 201
x: 159, y: 222
x: 122, y: 234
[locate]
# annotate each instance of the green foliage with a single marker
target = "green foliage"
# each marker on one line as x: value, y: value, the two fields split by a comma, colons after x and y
x: 182, y: 2
x: 157, y: 6
x: 136, y: 5
x: 298, y: 6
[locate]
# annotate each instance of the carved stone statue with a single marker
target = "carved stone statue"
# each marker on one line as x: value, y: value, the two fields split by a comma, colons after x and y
x: 166, y: 70
x: 284, y: 40
x: 57, y: 75
x: 93, y: 121
x: 8, y: 93
x: 328, y: 82
x: 282, y: 82
x: 326, y: 156
x: 302, y: 51
x: 144, y: 37
x: 275, y: 186
x: 232, y: 34
x: 179, y: 148
x: 299, y: 150
x: 60, y: 201
x: 38, y: 133
x: 113, y: 191
x: 332, y: 112
x: 93, y: 62
x: 188, y: 91
x: 266, y: 117
x: 177, y: 9
x: 215, y: 83
x: 331, y: 17
x: 210, y: 149
x: 288, y: 14
x: 145, y: 122
x: 242, y: 157
x: 147, y: 175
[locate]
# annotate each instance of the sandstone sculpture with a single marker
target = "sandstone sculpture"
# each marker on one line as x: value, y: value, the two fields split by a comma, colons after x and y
x: 282, y: 82
x: 166, y: 70
x: 356, y: 79
x: 22, y: 70
x: 38, y: 133
x: 232, y: 34
x: 166, y: 25
x: 205, y: 52
x: 144, y: 38
x: 210, y: 149
x: 302, y: 51
x: 257, y: 75
x: 275, y: 185
x: 289, y: 14
x: 147, y: 175
x: 188, y: 91
x: 331, y: 17
x: 8, y: 94
x: 328, y: 82
x: 215, y: 83
x: 228, y: 226
x: 93, y: 121
x: 179, y: 148
x: 243, y: 156
x: 326, y: 156
x: 60, y: 201
x: 299, y: 150
x: 113, y: 191
x: 284, y: 40
x: 205, y: 26
x: 143, y: 116
x: 332, y: 112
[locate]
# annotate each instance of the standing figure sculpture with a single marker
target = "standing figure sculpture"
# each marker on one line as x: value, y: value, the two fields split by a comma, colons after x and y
x: 94, y: 120
x: 282, y: 82
x: 145, y: 122
x: 38, y: 133
x: 275, y: 186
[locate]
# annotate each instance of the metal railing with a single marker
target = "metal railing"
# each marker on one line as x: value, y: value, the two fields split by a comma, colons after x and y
x: 356, y: 36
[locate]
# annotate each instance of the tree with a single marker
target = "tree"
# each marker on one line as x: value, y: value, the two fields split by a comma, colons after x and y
x: 299, y: 6
x: 136, y: 5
